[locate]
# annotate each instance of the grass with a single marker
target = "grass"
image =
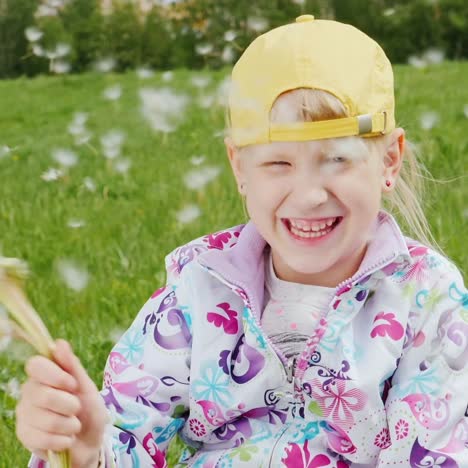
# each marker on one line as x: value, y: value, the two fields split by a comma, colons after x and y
x: 130, y: 218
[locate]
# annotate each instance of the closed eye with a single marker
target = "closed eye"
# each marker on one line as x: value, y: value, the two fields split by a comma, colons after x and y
x: 339, y: 159
x: 278, y: 163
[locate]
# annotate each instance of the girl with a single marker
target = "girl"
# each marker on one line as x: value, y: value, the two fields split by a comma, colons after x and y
x: 316, y: 335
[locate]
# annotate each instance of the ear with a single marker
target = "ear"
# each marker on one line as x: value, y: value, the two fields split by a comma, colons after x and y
x: 235, y: 160
x: 393, y: 158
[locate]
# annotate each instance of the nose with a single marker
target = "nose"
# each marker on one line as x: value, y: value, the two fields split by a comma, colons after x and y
x: 310, y: 191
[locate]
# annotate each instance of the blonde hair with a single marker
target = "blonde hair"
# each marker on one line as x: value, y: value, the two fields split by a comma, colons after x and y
x: 404, y: 201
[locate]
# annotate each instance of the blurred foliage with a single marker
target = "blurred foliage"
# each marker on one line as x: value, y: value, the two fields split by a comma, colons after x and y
x: 168, y: 35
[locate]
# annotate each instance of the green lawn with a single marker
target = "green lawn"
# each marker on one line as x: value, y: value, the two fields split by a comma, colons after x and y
x: 130, y: 219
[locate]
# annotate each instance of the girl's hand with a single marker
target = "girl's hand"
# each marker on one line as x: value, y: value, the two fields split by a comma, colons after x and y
x: 60, y: 408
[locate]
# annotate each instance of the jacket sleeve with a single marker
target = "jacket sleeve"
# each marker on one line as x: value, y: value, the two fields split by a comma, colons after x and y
x: 146, y: 380
x: 427, y: 403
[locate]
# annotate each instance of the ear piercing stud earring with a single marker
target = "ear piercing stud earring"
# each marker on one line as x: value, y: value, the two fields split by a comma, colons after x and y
x: 388, y: 183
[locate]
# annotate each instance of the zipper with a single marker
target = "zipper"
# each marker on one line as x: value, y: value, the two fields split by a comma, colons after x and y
x: 285, y: 363
x: 289, y: 365
x: 290, y: 369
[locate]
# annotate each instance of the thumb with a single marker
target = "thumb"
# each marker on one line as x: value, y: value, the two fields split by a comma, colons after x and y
x: 69, y: 362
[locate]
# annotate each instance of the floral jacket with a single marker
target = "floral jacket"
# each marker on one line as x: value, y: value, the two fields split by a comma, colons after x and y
x: 383, y: 380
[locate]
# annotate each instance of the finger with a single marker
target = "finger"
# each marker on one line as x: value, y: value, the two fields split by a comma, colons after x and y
x: 50, y: 422
x: 49, y: 398
x: 71, y: 364
x: 47, y: 372
x: 36, y: 440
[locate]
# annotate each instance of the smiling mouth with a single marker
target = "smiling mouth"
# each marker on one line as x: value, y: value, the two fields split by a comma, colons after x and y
x: 309, y: 232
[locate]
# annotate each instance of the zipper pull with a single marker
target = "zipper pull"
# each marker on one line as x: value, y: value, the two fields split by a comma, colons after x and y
x: 290, y: 369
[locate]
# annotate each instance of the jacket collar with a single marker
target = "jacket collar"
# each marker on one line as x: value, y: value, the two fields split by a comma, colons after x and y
x: 243, y: 264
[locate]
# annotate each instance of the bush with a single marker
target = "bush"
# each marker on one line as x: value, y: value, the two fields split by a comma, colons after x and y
x: 169, y: 36
x: 15, y: 17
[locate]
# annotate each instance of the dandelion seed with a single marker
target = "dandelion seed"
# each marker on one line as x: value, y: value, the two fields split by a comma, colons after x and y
x: 12, y: 388
x: 222, y: 93
x: 206, y: 101
x: 76, y: 223
x: 83, y: 138
x: 38, y: 50
x: 80, y: 118
x: 228, y: 54
x: 434, y: 56
x: 33, y: 34
x: 167, y: 76
x: 105, y: 65
x: 76, y: 129
x: 257, y: 24
x: 299, y: 2
x: 229, y: 36
x: 197, y: 160
x: 144, y: 73
x: 44, y: 11
x: 429, y: 120
x: 162, y: 108
x: 122, y: 165
x: 417, y: 62
x: 56, y: 3
x: 60, y: 67
x: 4, y: 151
x: 65, y: 157
x: 111, y: 143
x: 62, y: 49
x: 204, y: 49
x: 9, y: 414
x: 113, y: 138
x: 188, y: 214
x: 89, y: 184
x: 198, y: 178
x: 74, y: 276
x: 124, y: 261
x: 389, y: 12
x: 113, y: 93
x: 201, y: 81
x: 52, y: 174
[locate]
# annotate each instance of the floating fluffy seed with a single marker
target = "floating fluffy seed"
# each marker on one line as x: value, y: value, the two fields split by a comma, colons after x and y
x: 229, y: 36
x: 52, y: 174
x: 89, y: 184
x: 122, y: 165
x: 60, y: 67
x: 113, y: 93
x: 188, y: 214
x: 201, y: 81
x: 74, y: 276
x: 76, y: 223
x: 429, y: 120
x: 144, y: 73
x: 198, y: 178
x: 65, y: 157
x: 33, y: 34
x: 105, y: 65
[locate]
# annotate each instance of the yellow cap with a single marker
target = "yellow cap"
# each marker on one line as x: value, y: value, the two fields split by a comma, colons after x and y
x: 318, y: 54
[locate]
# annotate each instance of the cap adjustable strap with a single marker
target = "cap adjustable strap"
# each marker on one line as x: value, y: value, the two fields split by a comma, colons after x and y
x: 362, y: 125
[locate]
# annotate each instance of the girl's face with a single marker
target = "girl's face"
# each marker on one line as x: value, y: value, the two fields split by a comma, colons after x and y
x: 316, y: 202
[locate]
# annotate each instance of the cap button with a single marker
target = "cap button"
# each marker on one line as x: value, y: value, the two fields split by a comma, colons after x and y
x: 304, y: 18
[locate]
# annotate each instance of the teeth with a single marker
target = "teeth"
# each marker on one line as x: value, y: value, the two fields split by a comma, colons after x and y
x: 311, y: 227
x: 308, y: 235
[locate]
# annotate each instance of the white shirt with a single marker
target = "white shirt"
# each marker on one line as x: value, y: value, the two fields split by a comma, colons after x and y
x: 291, y: 310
